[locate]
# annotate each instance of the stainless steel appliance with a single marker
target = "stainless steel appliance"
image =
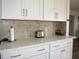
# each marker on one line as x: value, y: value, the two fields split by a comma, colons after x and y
x: 39, y: 34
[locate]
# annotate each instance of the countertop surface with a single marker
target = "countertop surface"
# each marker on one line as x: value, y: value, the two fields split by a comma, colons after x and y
x: 30, y: 42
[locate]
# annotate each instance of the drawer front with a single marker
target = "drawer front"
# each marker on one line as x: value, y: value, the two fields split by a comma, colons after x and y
x: 61, y: 44
x: 20, y: 54
x: 68, y: 43
x: 55, y: 46
x: 12, y: 55
x: 37, y: 50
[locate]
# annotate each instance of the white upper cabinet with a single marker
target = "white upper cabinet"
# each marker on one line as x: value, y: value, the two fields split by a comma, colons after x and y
x: 10, y: 9
x: 49, y: 9
x: 55, y: 10
x: 31, y: 9
x: 21, y: 9
x: 60, y: 10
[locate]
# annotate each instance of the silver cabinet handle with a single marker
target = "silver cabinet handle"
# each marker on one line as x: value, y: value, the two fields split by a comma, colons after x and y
x: 26, y: 12
x: 56, y: 46
x: 15, y: 56
x: 23, y: 12
x: 63, y: 50
x: 69, y: 42
x: 41, y: 49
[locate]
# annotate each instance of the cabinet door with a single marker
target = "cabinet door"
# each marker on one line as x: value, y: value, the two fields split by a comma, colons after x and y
x: 42, y: 56
x: 55, y: 10
x: 55, y: 54
x: 66, y: 53
x: 49, y: 9
x: 11, y: 9
x: 60, y: 10
x: 31, y: 9
x: 63, y: 53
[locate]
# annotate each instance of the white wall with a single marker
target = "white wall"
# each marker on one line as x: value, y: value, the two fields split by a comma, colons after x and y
x: 75, y: 14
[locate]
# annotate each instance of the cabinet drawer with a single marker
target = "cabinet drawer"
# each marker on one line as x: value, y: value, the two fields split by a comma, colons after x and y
x: 61, y: 44
x: 12, y: 55
x: 68, y: 43
x: 55, y: 46
x: 26, y: 52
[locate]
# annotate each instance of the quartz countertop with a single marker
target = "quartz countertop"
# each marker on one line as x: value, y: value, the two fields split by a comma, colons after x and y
x: 30, y: 42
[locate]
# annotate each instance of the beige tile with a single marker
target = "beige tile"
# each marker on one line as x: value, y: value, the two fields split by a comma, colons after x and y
x: 26, y: 29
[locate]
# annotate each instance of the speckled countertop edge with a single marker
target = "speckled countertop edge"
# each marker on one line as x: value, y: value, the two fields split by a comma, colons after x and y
x: 31, y: 42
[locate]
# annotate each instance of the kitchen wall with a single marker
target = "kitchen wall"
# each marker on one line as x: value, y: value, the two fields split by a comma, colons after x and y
x: 76, y: 22
x: 26, y: 29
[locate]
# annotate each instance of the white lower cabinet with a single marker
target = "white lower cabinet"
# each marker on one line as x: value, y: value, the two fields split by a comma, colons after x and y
x: 38, y: 52
x: 55, y: 54
x: 56, y: 50
x: 63, y: 53
x: 42, y: 56
x: 61, y: 50
x: 66, y: 53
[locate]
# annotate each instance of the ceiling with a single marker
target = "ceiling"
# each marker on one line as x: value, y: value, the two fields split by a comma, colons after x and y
x: 74, y: 5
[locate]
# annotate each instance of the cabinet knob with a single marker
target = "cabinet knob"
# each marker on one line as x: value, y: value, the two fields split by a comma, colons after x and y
x: 56, y: 15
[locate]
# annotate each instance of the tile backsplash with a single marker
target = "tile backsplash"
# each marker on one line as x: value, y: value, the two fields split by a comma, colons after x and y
x: 26, y: 29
